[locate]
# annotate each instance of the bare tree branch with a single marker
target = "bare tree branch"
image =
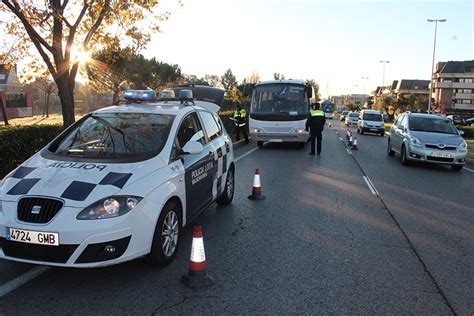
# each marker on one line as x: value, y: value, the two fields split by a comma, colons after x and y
x: 97, y: 23
x: 15, y: 8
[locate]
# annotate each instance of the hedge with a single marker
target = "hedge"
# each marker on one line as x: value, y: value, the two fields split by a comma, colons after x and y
x: 19, y: 142
x: 468, y: 131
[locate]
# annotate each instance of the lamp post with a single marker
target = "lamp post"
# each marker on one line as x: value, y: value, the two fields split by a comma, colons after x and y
x: 364, y: 78
x: 383, y: 73
x: 432, y: 63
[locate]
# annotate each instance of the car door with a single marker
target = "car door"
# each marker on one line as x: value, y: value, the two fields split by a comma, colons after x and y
x: 198, y: 175
x: 398, y: 133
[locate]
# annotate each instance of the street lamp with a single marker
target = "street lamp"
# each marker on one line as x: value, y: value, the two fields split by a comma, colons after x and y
x: 364, y: 78
x: 432, y: 63
x: 383, y: 74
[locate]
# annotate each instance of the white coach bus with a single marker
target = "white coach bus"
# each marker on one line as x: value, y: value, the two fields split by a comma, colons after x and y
x: 278, y: 110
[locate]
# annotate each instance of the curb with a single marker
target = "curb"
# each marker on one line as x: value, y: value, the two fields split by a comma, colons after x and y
x: 239, y: 143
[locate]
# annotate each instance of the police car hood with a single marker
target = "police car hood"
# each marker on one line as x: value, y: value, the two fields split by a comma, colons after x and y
x: 77, y: 183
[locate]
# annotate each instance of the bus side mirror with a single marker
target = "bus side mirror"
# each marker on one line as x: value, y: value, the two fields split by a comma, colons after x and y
x: 248, y: 89
x: 309, y: 91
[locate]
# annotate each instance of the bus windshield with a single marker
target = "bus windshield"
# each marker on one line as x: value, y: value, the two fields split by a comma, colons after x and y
x: 279, y: 102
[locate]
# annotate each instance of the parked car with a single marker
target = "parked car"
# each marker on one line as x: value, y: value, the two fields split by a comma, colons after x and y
x: 351, y: 118
x: 343, y: 115
x: 457, y: 119
x: 119, y: 184
x: 370, y: 121
x: 469, y: 121
x: 427, y: 138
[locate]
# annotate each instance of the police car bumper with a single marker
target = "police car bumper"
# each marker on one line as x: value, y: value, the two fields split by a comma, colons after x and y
x: 81, y: 243
x: 280, y: 138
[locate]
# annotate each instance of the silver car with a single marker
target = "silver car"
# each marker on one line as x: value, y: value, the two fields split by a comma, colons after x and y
x: 429, y: 138
x: 351, y: 118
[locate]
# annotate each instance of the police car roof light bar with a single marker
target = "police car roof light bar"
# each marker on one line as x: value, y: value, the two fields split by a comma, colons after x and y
x: 186, y: 96
x: 139, y: 95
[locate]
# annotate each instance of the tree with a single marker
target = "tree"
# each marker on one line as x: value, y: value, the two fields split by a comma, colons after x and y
x: 48, y: 87
x: 213, y: 80
x: 278, y: 76
x: 108, y: 72
x: 62, y: 31
x: 228, y: 82
x: 254, y: 77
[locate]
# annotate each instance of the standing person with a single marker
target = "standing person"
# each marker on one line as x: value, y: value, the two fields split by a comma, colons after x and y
x: 240, y: 120
x: 315, y: 124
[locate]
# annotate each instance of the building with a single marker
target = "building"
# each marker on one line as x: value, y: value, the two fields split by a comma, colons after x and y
x: 343, y: 101
x: 411, y: 86
x: 453, y: 84
x: 13, y: 98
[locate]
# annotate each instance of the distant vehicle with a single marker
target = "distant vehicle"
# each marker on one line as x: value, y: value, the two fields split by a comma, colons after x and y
x: 456, y: 119
x: 427, y: 138
x: 328, y: 108
x: 351, y: 118
x: 343, y: 115
x: 469, y: 121
x: 370, y: 121
x: 278, y: 110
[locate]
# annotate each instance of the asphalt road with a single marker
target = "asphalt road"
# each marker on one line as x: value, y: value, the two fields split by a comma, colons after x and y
x: 321, y: 242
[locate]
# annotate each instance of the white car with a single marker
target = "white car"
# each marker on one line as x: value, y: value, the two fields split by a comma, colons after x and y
x: 119, y: 184
x: 351, y: 118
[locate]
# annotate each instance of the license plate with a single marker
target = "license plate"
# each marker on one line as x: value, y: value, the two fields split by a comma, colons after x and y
x: 441, y: 155
x: 32, y: 237
x: 373, y: 129
x: 276, y: 140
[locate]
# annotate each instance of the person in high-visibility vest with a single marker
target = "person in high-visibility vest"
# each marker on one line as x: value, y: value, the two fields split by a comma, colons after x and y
x: 240, y: 121
x: 315, y: 125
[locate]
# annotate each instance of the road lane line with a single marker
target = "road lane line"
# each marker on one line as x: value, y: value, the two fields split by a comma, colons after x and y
x: 373, y: 186
x: 22, y: 279
x: 246, y: 154
x: 470, y: 170
x: 348, y: 151
x: 368, y: 184
x: 340, y: 138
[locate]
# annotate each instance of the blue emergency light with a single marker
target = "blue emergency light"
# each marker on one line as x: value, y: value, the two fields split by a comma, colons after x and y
x: 140, y: 95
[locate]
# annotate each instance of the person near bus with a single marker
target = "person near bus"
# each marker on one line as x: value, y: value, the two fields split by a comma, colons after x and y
x: 240, y: 120
x: 315, y: 125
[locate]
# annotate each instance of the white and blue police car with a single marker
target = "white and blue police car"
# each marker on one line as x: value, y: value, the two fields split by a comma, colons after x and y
x: 120, y: 183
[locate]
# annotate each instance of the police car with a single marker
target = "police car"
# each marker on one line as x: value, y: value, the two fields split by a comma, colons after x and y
x: 120, y: 183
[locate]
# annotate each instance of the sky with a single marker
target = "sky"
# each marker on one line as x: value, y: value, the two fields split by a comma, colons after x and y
x: 335, y: 42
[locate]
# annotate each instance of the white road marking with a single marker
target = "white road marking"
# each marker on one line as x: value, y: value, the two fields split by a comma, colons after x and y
x: 348, y: 151
x: 370, y: 185
x: 340, y: 138
x: 470, y: 170
x: 246, y: 154
x: 22, y: 279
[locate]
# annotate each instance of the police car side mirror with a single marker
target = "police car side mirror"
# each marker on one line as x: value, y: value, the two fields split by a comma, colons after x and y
x: 192, y: 148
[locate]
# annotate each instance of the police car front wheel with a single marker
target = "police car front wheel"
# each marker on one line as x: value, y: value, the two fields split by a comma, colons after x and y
x: 166, y: 238
x: 228, y: 194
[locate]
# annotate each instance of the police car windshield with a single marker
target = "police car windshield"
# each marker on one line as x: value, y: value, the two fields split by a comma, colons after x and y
x: 120, y: 136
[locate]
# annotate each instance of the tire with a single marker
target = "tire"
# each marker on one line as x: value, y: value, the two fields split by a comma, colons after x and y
x: 390, y: 152
x: 457, y: 167
x: 228, y: 194
x: 403, y: 156
x: 169, y: 223
x: 260, y: 143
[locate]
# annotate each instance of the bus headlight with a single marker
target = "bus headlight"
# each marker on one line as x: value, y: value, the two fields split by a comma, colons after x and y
x: 299, y: 130
x: 256, y: 130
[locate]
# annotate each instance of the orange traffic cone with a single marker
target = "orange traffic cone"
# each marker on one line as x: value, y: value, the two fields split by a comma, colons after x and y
x: 354, y: 144
x: 257, y: 188
x: 350, y: 140
x: 197, y: 273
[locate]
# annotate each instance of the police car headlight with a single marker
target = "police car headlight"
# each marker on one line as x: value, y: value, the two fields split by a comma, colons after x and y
x: 109, y: 207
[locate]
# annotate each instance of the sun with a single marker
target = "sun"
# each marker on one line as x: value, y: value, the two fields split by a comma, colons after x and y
x: 83, y: 57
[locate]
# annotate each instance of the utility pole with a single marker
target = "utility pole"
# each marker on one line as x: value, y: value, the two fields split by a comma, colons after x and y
x: 432, y: 63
